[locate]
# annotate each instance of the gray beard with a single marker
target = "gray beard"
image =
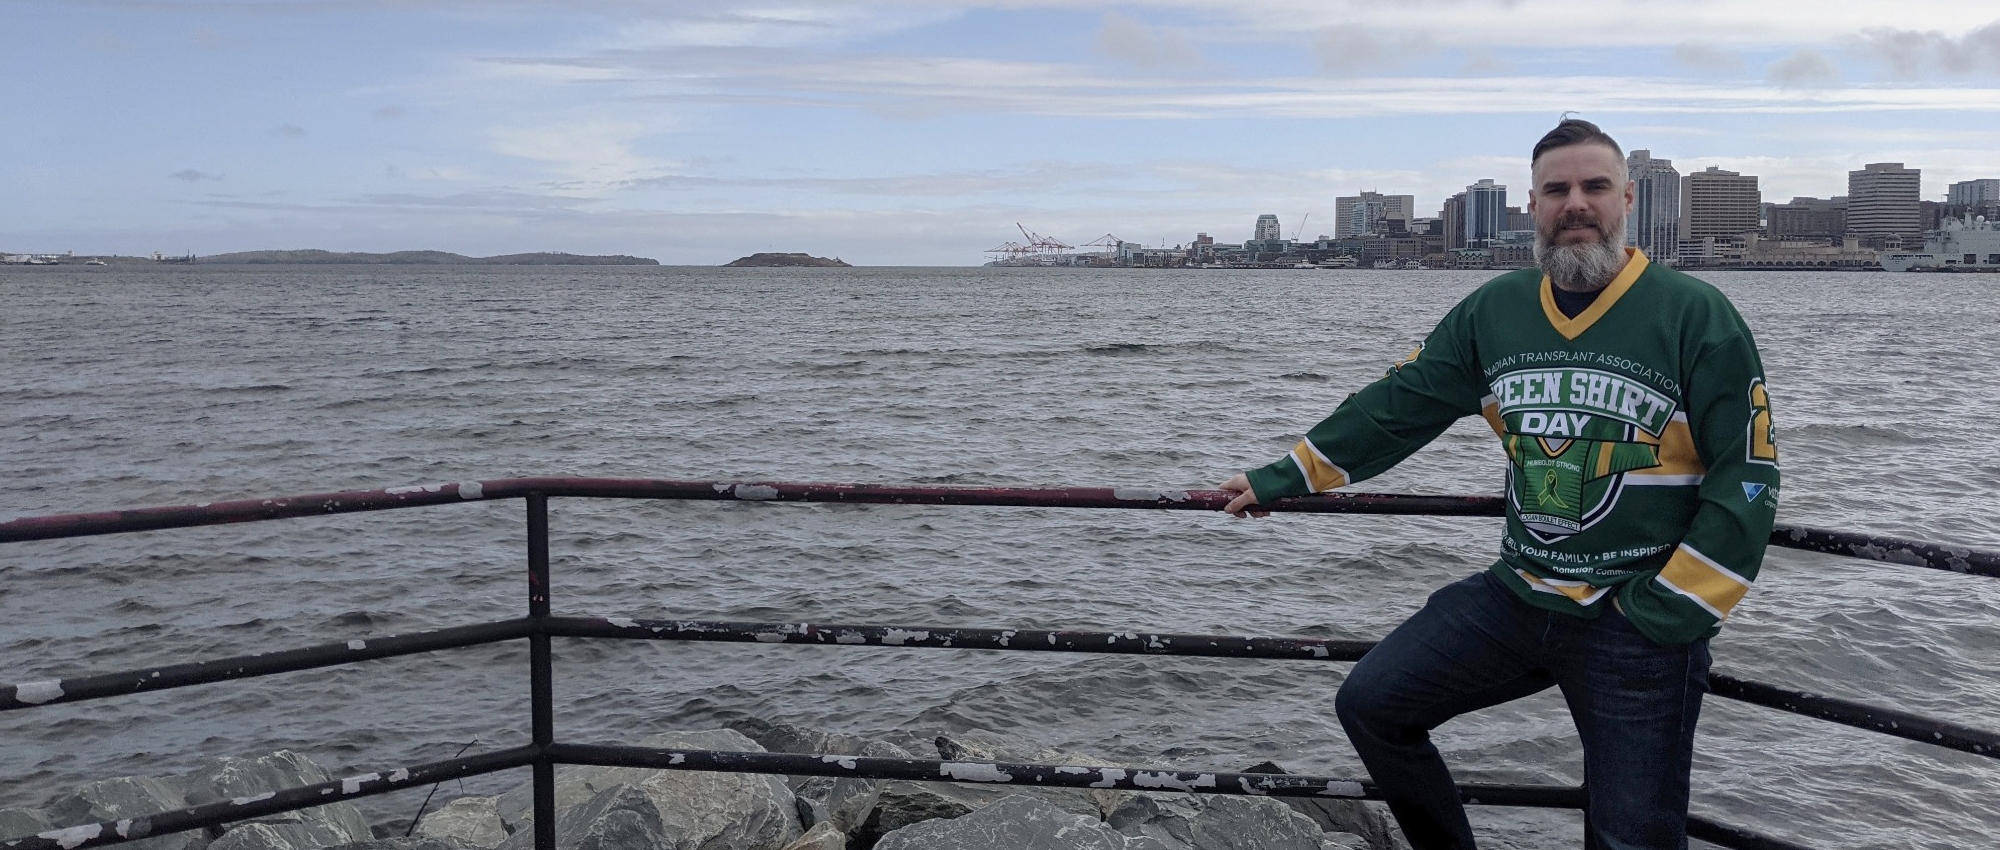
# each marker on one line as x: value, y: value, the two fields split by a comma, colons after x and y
x: 1583, y: 267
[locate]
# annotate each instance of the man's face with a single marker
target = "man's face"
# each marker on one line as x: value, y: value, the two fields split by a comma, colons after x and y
x: 1581, y: 194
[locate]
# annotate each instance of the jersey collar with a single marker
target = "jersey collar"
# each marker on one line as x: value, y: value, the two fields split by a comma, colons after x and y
x: 1635, y: 264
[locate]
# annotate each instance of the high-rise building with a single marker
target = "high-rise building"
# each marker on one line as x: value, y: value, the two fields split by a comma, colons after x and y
x: 1882, y: 205
x: 1809, y: 218
x: 1453, y: 216
x: 1655, y: 223
x: 1354, y: 215
x: 1718, y: 204
x: 1966, y: 193
x: 1485, y: 211
x: 1268, y: 229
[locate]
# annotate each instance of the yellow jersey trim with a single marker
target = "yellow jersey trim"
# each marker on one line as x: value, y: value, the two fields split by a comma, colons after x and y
x: 1635, y: 264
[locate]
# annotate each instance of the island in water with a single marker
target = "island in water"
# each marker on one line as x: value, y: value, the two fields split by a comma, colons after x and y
x: 760, y: 261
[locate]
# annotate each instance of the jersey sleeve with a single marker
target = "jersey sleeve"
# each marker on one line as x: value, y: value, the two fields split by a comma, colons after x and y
x: 1386, y: 421
x: 1729, y: 415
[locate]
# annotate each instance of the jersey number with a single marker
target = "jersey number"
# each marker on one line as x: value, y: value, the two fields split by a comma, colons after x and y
x: 1763, y: 443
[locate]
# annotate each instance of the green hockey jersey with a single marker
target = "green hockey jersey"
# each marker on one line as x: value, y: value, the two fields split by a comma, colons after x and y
x: 1642, y: 464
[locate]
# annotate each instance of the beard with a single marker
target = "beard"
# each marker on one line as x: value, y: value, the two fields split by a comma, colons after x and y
x: 1580, y: 266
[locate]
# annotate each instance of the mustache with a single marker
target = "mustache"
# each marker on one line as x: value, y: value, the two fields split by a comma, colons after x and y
x: 1568, y: 220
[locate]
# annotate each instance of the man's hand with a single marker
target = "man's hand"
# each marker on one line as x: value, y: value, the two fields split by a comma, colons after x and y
x: 1239, y: 507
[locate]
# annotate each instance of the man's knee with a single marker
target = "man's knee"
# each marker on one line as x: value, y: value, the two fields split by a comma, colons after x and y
x: 1359, y: 702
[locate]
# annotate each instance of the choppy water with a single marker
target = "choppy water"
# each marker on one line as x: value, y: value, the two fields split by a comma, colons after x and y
x: 135, y: 387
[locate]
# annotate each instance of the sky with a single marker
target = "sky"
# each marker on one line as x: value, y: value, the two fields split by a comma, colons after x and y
x: 918, y: 133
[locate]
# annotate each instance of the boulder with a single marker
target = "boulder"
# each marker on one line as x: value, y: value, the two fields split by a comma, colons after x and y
x: 710, y: 811
x: 1017, y: 822
x: 620, y: 817
x: 473, y: 820
x: 788, y: 738
x: 417, y: 842
x: 234, y: 779
x: 822, y: 836
x: 1215, y: 822
x: 1367, y: 819
x: 20, y: 823
x: 986, y: 746
x: 126, y: 797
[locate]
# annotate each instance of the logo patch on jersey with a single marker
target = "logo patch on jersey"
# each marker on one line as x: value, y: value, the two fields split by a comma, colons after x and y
x: 1572, y: 435
x: 1752, y: 491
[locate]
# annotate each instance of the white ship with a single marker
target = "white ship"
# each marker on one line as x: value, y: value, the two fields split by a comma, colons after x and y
x: 1959, y: 245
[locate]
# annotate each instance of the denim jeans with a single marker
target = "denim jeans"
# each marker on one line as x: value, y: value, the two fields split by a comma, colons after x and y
x: 1476, y: 644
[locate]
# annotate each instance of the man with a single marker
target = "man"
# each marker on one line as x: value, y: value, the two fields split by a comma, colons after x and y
x: 1641, y: 487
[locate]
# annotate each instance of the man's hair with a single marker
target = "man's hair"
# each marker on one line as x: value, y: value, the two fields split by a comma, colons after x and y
x: 1574, y: 131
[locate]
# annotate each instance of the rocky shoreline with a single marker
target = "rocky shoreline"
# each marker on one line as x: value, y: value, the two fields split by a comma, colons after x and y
x: 603, y: 808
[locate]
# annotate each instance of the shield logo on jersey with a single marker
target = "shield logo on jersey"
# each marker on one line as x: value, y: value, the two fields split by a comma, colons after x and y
x: 1571, y: 435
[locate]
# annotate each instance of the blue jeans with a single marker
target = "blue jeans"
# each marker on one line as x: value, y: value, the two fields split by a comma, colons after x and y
x: 1476, y: 644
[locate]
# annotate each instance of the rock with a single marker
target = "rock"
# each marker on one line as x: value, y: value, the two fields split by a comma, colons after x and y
x: 472, y: 820
x: 986, y: 746
x: 1252, y: 823
x: 417, y: 842
x: 821, y: 837
x: 1343, y: 841
x: 1215, y: 822
x: 234, y: 778
x: 711, y: 811
x: 20, y: 823
x: 620, y: 817
x: 788, y: 738
x: 126, y: 797
x: 1017, y: 822
x: 1369, y: 820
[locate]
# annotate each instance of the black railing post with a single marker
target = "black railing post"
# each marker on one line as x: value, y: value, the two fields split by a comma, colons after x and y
x: 540, y: 672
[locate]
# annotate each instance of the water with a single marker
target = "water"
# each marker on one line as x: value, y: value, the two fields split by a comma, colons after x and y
x: 136, y: 387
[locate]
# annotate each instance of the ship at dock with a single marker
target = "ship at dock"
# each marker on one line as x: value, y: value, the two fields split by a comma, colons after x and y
x: 1958, y: 245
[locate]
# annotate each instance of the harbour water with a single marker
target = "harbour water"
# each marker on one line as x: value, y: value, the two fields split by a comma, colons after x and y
x: 129, y: 387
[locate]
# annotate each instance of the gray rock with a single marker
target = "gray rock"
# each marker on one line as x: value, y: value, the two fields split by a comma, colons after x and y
x: 987, y: 746
x: 235, y: 779
x: 1343, y: 841
x: 416, y: 842
x: 1369, y: 820
x: 1166, y: 820
x: 821, y: 837
x: 621, y: 817
x: 472, y: 820
x: 20, y: 823
x: 787, y: 738
x: 122, y: 798
x: 1252, y: 823
x: 810, y: 796
x: 1015, y: 823
x: 709, y: 811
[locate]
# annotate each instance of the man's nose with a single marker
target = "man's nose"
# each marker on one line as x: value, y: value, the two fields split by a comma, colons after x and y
x: 1575, y: 200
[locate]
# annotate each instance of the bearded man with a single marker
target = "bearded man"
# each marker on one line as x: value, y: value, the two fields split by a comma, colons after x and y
x: 1642, y: 483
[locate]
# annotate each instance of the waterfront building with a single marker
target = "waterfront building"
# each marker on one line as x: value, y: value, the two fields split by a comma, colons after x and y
x: 1453, y: 216
x: 1354, y: 215
x: 1717, y: 204
x: 1882, y: 205
x: 1814, y: 219
x: 1518, y: 220
x: 1485, y: 211
x: 1655, y: 223
x: 1267, y: 229
x: 1968, y: 193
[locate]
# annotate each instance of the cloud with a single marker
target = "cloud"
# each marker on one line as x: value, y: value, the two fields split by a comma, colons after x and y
x: 1911, y: 54
x: 1806, y: 68
x: 588, y: 155
x: 192, y: 176
x: 290, y: 131
x: 1352, y: 50
x: 1146, y: 46
x: 1708, y: 59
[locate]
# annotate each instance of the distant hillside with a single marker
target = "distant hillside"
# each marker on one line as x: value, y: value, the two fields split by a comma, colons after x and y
x: 314, y: 256
x: 775, y: 260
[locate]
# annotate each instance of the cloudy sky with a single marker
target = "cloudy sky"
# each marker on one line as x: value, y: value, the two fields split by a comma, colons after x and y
x: 917, y: 133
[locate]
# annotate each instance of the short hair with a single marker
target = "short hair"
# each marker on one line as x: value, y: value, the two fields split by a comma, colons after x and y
x: 1574, y: 131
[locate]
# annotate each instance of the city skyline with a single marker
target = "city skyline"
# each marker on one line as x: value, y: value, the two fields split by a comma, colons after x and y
x: 888, y: 132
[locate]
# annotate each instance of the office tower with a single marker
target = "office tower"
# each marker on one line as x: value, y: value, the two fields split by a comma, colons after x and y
x: 1453, y: 215
x: 1967, y: 193
x: 1655, y: 223
x: 1718, y: 204
x: 1485, y: 212
x: 1267, y: 228
x: 1809, y: 218
x: 1354, y: 215
x: 1882, y: 205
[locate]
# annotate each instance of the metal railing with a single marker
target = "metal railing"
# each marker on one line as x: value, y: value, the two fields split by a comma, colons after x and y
x: 544, y: 752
